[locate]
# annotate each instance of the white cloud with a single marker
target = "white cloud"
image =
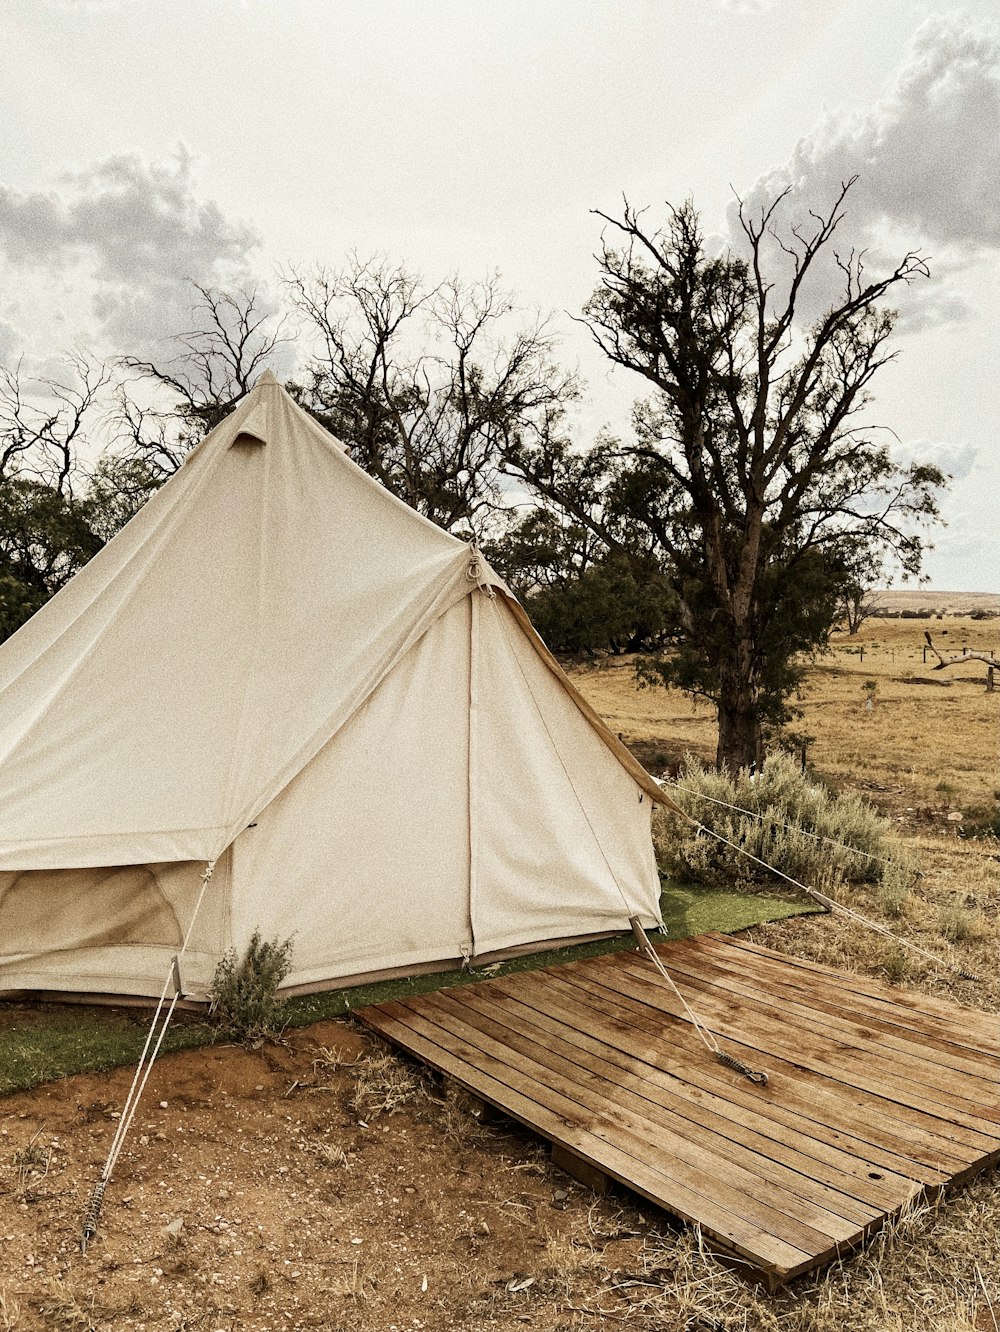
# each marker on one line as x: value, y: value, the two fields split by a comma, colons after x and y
x: 129, y: 237
x: 927, y: 155
x: 954, y: 459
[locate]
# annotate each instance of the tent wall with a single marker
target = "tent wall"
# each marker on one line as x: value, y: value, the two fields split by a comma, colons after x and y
x: 278, y: 664
x: 563, y: 845
x: 364, y: 858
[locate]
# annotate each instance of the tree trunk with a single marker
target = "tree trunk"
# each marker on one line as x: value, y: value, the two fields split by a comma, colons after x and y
x: 739, y: 725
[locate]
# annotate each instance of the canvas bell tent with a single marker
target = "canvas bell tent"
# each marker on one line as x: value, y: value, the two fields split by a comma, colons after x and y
x: 280, y: 668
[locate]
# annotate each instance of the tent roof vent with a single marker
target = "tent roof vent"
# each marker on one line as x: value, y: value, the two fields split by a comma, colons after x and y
x: 254, y: 427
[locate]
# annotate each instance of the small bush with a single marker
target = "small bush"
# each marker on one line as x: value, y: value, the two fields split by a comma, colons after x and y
x: 896, y: 964
x: 895, y: 892
x: 244, y: 1003
x: 783, y: 808
x: 958, y: 923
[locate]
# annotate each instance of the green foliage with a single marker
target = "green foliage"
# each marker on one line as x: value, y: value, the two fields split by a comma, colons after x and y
x: 796, y: 605
x: 896, y: 963
x: 117, y: 488
x: 783, y: 808
x: 749, y: 482
x: 612, y: 606
x: 895, y: 892
x: 45, y: 537
x: 244, y: 1004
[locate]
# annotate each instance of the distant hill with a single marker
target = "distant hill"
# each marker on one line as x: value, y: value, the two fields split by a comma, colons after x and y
x: 946, y: 603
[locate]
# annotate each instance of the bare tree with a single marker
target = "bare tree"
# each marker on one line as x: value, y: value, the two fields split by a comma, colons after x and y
x: 425, y: 385
x: 210, y: 368
x: 42, y: 421
x: 45, y: 529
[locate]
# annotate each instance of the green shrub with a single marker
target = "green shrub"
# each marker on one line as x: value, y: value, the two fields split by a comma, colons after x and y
x: 244, y: 1005
x: 783, y: 807
x: 896, y: 964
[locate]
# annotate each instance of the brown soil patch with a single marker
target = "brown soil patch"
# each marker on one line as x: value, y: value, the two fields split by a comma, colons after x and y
x: 296, y: 1211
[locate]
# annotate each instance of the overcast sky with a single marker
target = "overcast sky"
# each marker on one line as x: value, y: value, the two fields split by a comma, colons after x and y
x: 150, y: 142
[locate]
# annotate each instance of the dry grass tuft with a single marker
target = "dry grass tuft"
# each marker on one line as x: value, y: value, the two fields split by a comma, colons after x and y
x: 460, y: 1116
x: 384, y: 1083
x: 10, y: 1311
x: 959, y: 924
x: 31, y: 1167
x: 564, y: 1262
x: 62, y: 1308
x: 328, y: 1155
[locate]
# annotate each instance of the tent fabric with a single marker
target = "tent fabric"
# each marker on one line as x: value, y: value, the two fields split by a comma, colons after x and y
x: 279, y: 666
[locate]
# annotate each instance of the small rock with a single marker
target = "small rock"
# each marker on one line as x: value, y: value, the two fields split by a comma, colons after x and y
x: 163, y: 1105
x: 174, y: 1228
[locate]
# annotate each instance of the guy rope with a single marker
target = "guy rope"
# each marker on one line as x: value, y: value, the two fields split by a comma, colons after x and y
x: 828, y: 903
x: 154, y: 1039
x: 645, y: 947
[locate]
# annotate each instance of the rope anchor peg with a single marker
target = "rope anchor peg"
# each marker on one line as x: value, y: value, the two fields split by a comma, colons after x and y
x: 93, y: 1216
x: 707, y: 1037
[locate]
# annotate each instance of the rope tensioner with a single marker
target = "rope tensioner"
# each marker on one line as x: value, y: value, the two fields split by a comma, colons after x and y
x: 474, y: 572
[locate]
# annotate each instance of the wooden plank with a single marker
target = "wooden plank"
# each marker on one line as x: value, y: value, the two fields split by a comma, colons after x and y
x: 871, y: 1101
x: 967, y: 1030
x: 907, y: 1146
x: 525, y: 1029
x: 756, y: 1200
x: 837, y: 1013
x: 580, y: 1168
x: 979, y: 1093
x: 714, y: 1102
x: 763, y: 1251
x: 965, y: 1024
x: 769, y: 1037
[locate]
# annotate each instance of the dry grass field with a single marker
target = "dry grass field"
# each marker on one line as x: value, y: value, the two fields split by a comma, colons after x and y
x: 326, y: 1183
x: 932, y: 736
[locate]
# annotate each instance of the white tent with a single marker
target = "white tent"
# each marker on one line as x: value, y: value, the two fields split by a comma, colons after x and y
x: 279, y: 667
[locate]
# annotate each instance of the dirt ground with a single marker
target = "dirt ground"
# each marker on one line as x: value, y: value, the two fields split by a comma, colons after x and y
x: 253, y: 1193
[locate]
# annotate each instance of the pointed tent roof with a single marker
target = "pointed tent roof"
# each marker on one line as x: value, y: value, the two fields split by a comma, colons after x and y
x: 204, y: 656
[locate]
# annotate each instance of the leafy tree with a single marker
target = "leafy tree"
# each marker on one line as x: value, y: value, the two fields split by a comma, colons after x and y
x: 427, y: 386
x: 751, y: 479
x: 45, y: 537
x: 118, y: 485
x: 541, y: 550
x: 45, y: 528
x: 613, y: 606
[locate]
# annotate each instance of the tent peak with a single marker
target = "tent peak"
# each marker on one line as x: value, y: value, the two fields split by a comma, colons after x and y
x: 267, y: 380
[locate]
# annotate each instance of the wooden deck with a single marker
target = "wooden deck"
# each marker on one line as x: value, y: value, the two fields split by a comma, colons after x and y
x: 875, y: 1096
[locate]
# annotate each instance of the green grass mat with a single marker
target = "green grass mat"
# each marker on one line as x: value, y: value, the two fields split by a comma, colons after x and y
x: 41, y: 1042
